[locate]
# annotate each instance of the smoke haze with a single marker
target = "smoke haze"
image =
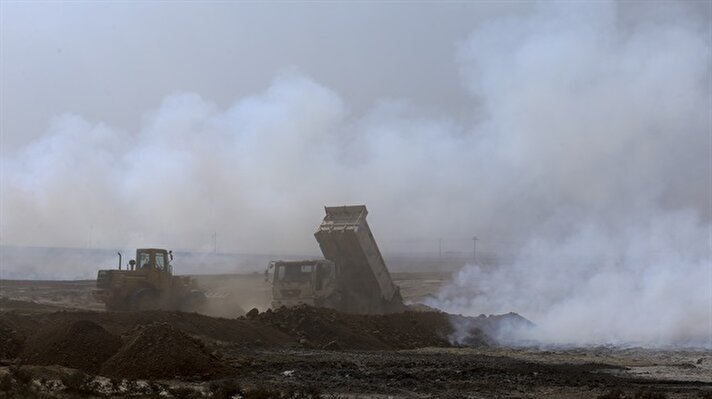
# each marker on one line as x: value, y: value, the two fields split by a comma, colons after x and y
x: 603, y: 141
x: 587, y: 143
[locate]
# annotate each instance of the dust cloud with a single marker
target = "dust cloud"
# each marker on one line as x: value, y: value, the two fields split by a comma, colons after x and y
x: 588, y: 145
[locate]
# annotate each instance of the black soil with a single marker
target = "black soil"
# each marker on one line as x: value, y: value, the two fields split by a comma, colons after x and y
x: 11, y: 340
x: 81, y: 344
x: 160, y: 351
x: 328, y: 329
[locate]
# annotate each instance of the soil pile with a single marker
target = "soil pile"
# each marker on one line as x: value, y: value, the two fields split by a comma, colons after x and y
x: 326, y: 328
x: 7, y: 304
x: 11, y: 341
x: 159, y: 350
x: 246, y: 333
x: 489, y: 330
x: 82, y: 345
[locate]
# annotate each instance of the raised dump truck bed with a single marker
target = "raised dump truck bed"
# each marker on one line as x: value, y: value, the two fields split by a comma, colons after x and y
x: 346, y: 240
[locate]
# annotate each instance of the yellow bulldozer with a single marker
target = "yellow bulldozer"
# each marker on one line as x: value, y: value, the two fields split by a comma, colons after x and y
x: 148, y: 283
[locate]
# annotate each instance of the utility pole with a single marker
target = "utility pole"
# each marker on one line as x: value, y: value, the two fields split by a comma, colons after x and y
x: 440, y: 252
x: 474, y: 249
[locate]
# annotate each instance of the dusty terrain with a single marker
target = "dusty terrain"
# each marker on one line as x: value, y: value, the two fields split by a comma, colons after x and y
x: 57, y: 341
x: 250, y: 290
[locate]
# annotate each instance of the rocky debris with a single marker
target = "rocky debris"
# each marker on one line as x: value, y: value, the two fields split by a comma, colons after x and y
x: 288, y: 327
x: 11, y: 341
x: 489, y: 330
x: 252, y: 314
x: 241, y: 332
x: 7, y: 304
x: 332, y: 346
x: 82, y: 345
x: 322, y: 328
x: 166, y: 345
x: 160, y: 350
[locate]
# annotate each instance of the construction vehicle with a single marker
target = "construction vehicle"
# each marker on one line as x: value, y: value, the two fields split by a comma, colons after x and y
x: 148, y: 283
x: 353, y: 276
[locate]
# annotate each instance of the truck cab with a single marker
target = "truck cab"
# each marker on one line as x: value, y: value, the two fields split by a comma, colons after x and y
x: 311, y: 282
x: 352, y: 277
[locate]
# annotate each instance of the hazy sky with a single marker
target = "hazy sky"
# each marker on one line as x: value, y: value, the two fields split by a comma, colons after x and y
x: 114, y: 61
x: 580, y: 132
x: 451, y: 118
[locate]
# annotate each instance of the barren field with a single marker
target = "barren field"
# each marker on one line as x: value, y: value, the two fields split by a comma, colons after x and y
x: 58, y: 342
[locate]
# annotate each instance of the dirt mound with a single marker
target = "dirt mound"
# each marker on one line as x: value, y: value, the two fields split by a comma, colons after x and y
x: 245, y: 333
x: 329, y: 329
x: 82, y: 344
x: 7, y: 304
x: 11, y: 340
x: 160, y: 350
x: 488, y: 330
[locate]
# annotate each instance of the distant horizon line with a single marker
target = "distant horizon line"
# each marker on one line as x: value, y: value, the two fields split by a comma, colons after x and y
x: 428, y: 254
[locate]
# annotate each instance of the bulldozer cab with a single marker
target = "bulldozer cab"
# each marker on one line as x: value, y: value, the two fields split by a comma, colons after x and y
x: 153, y: 258
x: 147, y: 283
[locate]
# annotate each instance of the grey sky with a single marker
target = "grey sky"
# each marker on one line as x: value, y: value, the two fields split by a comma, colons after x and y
x: 113, y: 61
x: 481, y: 89
x: 577, y: 131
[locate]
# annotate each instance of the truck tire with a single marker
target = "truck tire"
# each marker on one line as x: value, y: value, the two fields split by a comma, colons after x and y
x: 333, y: 301
x: 116, y: 306
x: 145, y: 299
x: 395, y: 305
x: 193, y: 301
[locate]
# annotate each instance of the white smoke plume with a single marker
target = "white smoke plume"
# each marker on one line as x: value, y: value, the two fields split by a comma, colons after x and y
x: 588, y: 143
x: 603, y: 141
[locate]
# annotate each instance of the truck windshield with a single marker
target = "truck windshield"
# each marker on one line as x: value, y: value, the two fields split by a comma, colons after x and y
x: 160, y: 261
x: 144, y: 260
x: 294, y: 273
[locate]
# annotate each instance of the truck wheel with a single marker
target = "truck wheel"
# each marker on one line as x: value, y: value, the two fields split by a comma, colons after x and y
x: 145, y: 299
x: 334, y: 301
x: 395, y: 305
x: 193, y: 302
x: 114, y: 306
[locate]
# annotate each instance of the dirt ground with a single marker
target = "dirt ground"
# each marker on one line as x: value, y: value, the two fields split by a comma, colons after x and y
x: 58, y: 342
x: 250, y: 290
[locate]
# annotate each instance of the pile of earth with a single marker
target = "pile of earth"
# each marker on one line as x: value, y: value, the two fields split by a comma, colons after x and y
x: 329, y: 329
x: 29, y: 306
x: 11, y: 341
x: 246, y: 333
x: 492, y: 329
x: 286, y: 327
x: 160, y: 350
x: 160, y: 344
x: 81, y: 344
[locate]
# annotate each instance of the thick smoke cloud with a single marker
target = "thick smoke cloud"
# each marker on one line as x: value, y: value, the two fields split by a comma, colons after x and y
x: 190, y: 171
x: 257, y: 173
x: 602, y: 135
x: 590, y: 153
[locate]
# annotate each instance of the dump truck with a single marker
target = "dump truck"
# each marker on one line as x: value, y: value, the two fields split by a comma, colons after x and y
x: 148, y: 283
x: 352, y: 278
